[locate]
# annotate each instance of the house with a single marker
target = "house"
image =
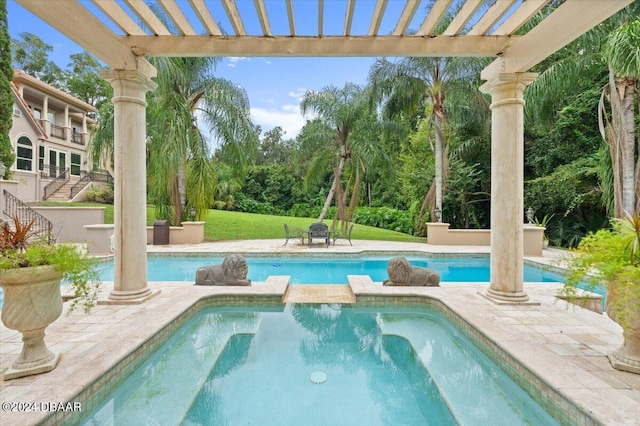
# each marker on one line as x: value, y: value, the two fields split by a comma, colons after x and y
x: 49, y: 135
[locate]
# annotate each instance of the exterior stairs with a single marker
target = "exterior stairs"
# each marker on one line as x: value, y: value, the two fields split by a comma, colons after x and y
x: 62, y: 194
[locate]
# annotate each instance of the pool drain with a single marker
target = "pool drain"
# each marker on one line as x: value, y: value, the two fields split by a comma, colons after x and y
x: 318, y: 377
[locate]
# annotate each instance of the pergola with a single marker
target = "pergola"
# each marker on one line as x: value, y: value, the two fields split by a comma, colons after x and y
x: 480, y: 28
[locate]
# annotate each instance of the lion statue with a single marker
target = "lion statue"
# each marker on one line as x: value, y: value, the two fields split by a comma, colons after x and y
x: 233, y: 271
x: 401, y: 273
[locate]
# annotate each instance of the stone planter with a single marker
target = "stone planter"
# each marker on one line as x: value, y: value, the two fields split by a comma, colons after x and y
x: 627, y: 356
x: 32, y: 301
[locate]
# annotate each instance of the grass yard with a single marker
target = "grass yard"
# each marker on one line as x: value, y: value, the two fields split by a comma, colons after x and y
x: 225, y: 225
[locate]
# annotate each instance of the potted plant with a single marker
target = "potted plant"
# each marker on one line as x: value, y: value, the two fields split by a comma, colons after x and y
x: 543, y: 223
x: 31, y: 270
x: 612, y: 258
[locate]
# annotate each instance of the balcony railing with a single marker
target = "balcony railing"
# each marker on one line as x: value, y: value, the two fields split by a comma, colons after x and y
x: 79, y: 138
x: 58, y: 131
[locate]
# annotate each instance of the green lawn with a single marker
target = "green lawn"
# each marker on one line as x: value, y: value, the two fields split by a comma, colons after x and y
x: 226, y: 225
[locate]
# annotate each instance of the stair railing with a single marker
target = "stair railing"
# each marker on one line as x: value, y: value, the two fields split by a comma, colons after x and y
x: 13, y: 207
x: 56, y: 184
x: 92, y: 176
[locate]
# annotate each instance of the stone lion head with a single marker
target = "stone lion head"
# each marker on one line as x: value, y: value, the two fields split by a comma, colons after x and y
x: 235, y: 266
x: 399, y: 270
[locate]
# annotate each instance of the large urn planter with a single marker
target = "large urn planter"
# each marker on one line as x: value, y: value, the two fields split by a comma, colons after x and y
x: 32, y: 301
x: 611, y: 257
x: 626, y: 357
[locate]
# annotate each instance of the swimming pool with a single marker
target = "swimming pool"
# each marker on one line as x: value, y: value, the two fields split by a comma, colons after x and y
x: 318, y: 365
x: 329, y: 270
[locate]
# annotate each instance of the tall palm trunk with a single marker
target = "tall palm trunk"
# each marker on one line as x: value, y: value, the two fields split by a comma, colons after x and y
x: 619, y: 134
x: 439, y: 162
x: 336, y: 181
x: 181, y: 198
x: 626, y: 89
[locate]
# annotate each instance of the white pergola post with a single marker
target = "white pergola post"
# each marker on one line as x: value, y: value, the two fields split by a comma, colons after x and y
x: 130, y: 192
x: 507, y: 185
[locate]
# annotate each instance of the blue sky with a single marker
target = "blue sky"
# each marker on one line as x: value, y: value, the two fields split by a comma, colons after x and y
x: 274, y: 85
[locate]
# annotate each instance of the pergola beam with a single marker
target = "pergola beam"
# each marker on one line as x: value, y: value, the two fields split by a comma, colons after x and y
x: 378, y: 13
x: 463, y: 16
x: 348, y: 17
x: 178, y: 18
x: 491, y: 17
x: 320, y: 17
x: 78, y: 24
x: 205, y: 16
x: 292, y: 22
x: 317, y: 46
x: 234, y: 16
x: 552, y: 34
x: 119, y: 17
x: 409, y: 10
x: 521, y: 15
x: 148, y: 17
x: 434, y: 17
x: 261, y: 9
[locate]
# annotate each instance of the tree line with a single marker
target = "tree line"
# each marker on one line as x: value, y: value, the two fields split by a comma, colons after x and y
x: 414, y: 140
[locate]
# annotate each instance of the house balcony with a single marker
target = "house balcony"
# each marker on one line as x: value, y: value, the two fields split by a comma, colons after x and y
x: 78, y: 138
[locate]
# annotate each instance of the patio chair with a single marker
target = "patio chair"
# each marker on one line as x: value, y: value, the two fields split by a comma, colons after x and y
x: 340, y: 235
x: 293, y: 233
x: 319, y: 231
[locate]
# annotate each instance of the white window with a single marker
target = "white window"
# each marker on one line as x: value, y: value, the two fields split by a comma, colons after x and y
x: 24, y: 154
x: 76, y: 159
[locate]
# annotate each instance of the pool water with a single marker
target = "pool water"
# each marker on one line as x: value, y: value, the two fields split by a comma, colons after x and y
x: 332, y: 270
x: 328, y: 270
x: 243, y: 366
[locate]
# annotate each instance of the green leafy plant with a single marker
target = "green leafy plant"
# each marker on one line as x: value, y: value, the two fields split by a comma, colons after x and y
x: 21, y: 247
x: 543, y: 223
x: 610, y: 257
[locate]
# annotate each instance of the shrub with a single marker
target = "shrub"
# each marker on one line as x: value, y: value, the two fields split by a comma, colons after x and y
x: 99, y: 195
x: 386, y: 218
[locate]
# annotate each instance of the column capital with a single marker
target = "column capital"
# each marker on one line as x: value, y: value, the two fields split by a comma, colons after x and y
x: 144, y: 79
x: 515, y: 79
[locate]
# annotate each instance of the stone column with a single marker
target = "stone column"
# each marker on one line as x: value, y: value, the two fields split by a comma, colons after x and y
x: 44, y: 116
x: 67, y: 124
x: 507, y: 185
x: 130, y: 189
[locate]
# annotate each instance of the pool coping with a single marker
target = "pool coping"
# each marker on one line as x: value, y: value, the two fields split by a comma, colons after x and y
x: 93, y: 344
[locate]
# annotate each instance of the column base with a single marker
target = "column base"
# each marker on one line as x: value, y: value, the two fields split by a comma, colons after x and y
x: 620, y: 360
x: 505, y: 298
x: 18, y: 370
x: 130, y: 297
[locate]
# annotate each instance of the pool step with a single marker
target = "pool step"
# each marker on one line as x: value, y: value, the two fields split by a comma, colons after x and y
x: 318, y: 293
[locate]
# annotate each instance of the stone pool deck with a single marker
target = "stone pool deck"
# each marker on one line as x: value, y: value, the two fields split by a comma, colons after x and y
x: 558, y: 344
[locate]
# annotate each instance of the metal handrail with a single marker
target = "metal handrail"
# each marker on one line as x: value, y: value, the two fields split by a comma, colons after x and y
x: 47, y: 171
x: 56, y: 184
x: 13, y: 207
x: 97, y: 175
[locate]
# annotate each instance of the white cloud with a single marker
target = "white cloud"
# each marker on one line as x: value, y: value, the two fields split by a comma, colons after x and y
x: 298, y: 94
x: 288, y: 117
x: 233, y: 60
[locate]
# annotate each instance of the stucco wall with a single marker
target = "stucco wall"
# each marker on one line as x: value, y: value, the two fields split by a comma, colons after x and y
x: 440, y: 234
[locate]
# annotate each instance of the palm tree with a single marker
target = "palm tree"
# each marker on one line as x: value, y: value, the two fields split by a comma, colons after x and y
x: 348, y: 137
x: 612, y: 47
x: 180, y: 170
x: 622, y: 51
x: 420, y: 85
